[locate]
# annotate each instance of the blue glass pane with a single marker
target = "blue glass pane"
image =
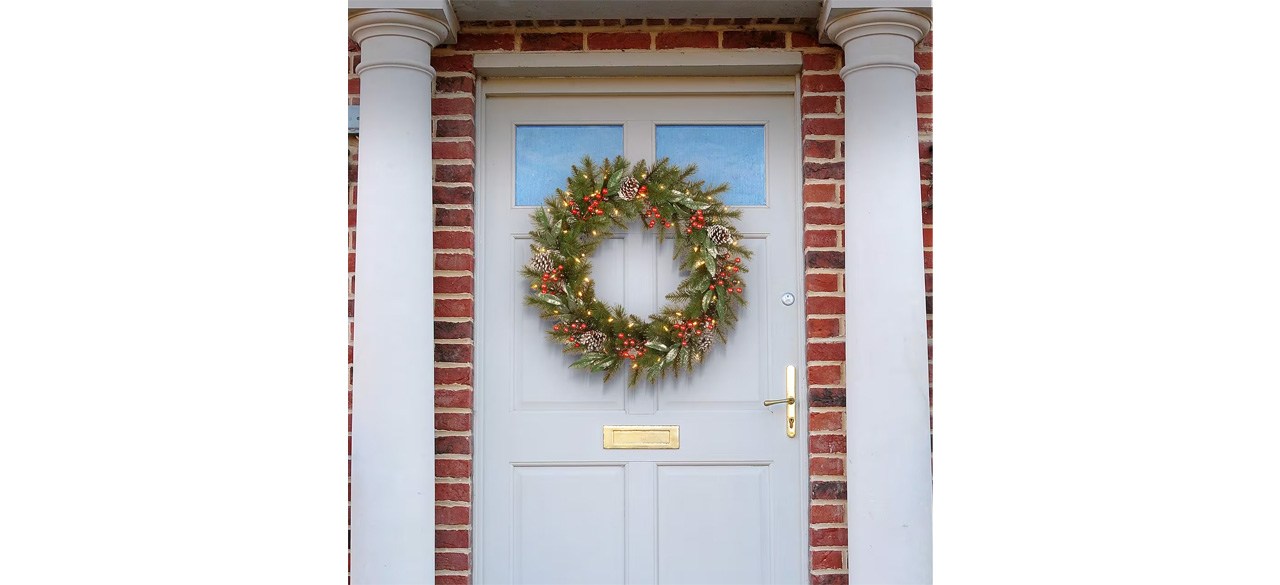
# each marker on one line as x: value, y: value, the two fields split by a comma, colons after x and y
x: 724, y: 154
x: 544, y: 155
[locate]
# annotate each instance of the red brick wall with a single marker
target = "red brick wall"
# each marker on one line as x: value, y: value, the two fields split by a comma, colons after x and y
x: 453, y: 109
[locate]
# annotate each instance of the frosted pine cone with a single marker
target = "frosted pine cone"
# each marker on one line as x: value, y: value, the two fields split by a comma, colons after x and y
x: 719, y: 234
x: 592, y: 341
x: 542, y: 262
x: 630, y: 187
x: 703, y: 342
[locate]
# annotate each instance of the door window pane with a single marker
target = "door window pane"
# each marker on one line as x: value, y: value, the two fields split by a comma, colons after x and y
x: 545, y: 153
x: 732, y: 154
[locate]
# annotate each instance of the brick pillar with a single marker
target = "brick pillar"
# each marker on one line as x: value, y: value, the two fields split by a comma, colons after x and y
x: 886, y: 352
x: 392, y: 450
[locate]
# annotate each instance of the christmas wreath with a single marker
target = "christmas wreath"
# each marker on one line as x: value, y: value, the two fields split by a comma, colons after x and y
x: 666, y: 198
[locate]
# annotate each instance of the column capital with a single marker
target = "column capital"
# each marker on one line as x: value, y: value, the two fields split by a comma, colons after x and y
x: 844, y: 20
x: 440, y: 11
x: 430, y: 22
x: 428, y: 27
x: 843, y: 25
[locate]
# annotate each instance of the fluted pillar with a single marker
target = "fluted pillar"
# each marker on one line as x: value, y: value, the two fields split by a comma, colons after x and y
x: 392, y: 445
x: 890, y: 482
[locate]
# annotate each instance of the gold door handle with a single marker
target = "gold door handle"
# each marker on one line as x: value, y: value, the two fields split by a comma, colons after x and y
x: 790, y: 401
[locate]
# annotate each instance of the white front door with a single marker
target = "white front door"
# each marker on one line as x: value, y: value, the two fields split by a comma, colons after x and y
x: 552, y: 504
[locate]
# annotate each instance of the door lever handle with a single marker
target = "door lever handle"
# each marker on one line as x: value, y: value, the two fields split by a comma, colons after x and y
x: 790, y: 401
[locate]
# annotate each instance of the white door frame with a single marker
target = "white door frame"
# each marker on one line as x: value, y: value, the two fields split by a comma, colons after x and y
x: 737, y: 75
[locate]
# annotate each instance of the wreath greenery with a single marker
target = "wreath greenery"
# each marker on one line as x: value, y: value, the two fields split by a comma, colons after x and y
x: 667, y: 199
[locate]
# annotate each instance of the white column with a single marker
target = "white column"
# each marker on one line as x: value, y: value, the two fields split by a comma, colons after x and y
x: 890, y: 482
x: 392, y: 445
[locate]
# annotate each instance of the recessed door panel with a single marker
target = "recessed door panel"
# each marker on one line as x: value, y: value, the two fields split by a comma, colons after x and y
x: 536, y: 361
x: 569, y: 525
x: 713, y: 524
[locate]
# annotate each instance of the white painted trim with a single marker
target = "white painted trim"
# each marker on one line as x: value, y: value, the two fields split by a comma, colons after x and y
x: 639, y: 85
x: 645, y: 64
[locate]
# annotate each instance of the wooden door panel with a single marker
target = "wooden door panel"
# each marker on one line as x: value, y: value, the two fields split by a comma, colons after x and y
x: 552, y: 505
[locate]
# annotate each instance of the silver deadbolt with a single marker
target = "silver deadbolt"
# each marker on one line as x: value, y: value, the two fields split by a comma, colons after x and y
x: 788, y: 299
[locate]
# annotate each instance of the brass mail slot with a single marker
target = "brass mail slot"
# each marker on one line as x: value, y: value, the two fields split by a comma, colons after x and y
x: 641, y: 437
